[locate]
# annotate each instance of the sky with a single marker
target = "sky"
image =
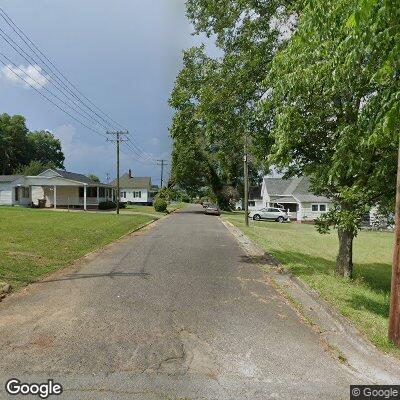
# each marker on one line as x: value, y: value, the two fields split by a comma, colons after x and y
x: 124, y: 55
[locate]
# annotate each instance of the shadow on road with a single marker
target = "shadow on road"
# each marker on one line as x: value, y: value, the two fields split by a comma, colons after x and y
x: 111, y: 275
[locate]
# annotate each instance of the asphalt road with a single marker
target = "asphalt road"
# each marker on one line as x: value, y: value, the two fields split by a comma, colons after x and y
x: 176, y: 311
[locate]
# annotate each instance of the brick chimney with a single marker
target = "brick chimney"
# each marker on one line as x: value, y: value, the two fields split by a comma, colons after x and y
x: 130, y: 173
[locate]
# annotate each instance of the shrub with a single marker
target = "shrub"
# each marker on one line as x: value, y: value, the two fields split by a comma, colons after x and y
x: 107, y: 205
x: 160, y: 205
x: 122, y: 204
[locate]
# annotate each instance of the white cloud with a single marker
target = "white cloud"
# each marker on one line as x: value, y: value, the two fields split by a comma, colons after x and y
x: 155, y: 141
x: 26, y: 75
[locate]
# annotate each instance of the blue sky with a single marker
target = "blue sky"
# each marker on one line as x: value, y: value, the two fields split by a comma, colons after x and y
x: 124, y: 55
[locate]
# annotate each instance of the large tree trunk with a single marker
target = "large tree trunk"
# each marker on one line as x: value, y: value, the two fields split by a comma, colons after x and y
x: 217, y: 187
x: 344, y: 260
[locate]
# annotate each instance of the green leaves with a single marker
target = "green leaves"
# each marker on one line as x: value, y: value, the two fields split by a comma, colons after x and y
x: 335, y: 104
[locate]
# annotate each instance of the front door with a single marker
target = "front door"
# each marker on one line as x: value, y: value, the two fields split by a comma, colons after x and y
x: 16, y: 189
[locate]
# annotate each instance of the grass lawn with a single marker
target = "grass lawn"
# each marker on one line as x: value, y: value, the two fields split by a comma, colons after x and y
x: 36, y: 242
x: 311, y: 256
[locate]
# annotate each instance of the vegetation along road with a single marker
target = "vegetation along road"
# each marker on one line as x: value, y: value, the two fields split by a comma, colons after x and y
x: 176, y: 310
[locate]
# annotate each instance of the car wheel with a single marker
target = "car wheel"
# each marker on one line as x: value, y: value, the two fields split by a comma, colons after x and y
x: 256, y: 217
x: 280, y: 219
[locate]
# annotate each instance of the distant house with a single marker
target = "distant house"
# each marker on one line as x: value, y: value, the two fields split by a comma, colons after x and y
x: 54, y: 188
x: 255, y: 200
x: 294, y: 196
x: 134, y: 189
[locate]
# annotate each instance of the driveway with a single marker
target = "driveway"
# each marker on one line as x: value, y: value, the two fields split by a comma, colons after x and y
x: 176, y: 311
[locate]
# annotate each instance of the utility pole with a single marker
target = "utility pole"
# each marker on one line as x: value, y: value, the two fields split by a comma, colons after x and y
x: 162, y: 163
x: 394, y: 315
x: 246, y: 182
x: 118, y: 139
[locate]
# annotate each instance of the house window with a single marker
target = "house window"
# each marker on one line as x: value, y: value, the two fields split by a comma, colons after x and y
x: 252, y: 203
x: 102, y: 192
x: 90, y: 192
x: 318, y: 207
x: 137, y: 194
x: 25, y: 192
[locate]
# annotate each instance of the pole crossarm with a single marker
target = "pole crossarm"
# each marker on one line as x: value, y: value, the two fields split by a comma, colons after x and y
x: 162, y: 163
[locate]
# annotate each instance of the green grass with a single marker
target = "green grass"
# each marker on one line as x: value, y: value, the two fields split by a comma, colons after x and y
x: 36, y: 242
x: 311, y: 256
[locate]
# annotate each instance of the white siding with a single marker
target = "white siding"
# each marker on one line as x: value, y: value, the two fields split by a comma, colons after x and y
x: 144, y: 198
x: 49, y: 173
x: 6, y: 193
x: 307, y: 214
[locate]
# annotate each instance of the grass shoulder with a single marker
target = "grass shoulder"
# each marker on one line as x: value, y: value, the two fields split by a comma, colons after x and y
x: 364, y: 300
x: 34, y: 243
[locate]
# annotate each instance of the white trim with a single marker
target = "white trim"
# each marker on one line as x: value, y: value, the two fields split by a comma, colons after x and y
x: 49, y: 169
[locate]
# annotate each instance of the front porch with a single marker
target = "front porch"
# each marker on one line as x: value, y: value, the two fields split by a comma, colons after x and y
x: 59, y: 192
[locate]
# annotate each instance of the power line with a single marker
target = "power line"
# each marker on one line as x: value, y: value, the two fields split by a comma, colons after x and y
x: 61, y: 84
x: 35, y: 49
x: 32, y: 61
x: 48, y: 99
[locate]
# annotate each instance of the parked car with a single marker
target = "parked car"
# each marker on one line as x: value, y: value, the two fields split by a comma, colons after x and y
x: 212, y: 209
x: 274, y: 214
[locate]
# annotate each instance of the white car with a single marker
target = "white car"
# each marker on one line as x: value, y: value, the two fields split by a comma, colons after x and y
x: 274, y: 214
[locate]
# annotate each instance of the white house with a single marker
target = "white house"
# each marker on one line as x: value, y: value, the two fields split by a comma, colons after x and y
x: 294, y: 196
x: 54, y: 188
x: 134, y: 190
x: 255, y: 201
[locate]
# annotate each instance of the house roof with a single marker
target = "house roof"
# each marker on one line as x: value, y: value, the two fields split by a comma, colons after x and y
x: 135, y: 182
x: 73, y: 176
x: 9, y: 178
x: 298, y: 188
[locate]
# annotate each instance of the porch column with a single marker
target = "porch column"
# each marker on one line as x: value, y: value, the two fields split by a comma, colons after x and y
x: 55, y: 196
x: 299, y: 212
x: 84, y: 197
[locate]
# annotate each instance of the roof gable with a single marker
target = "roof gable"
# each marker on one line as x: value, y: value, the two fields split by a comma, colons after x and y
x: 49, y: 173
x: 135, y: 182
x: 298, y: 187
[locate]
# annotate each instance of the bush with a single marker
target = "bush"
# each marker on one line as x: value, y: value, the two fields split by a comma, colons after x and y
x: 160, y: 205
x: 122, y: 204
x: 107, y: 205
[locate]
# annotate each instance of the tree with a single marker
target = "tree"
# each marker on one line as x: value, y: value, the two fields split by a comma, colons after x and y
x: 324, y: 110
x: 14, y: 145
x: 94, y: 178
x: 18, y: 146
x: 46, y: 148
x: 215, y: 99
x: 33, y: 168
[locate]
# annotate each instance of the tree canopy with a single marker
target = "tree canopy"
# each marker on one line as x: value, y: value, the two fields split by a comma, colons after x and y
x: 331, y: 100
x: 19, y: 147
x: 315, y: 86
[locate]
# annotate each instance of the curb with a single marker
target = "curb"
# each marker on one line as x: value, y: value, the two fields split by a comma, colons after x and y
x: 358, y: 354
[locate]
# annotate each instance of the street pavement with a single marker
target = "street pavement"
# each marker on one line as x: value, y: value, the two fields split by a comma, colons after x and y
x: 176, y: 311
